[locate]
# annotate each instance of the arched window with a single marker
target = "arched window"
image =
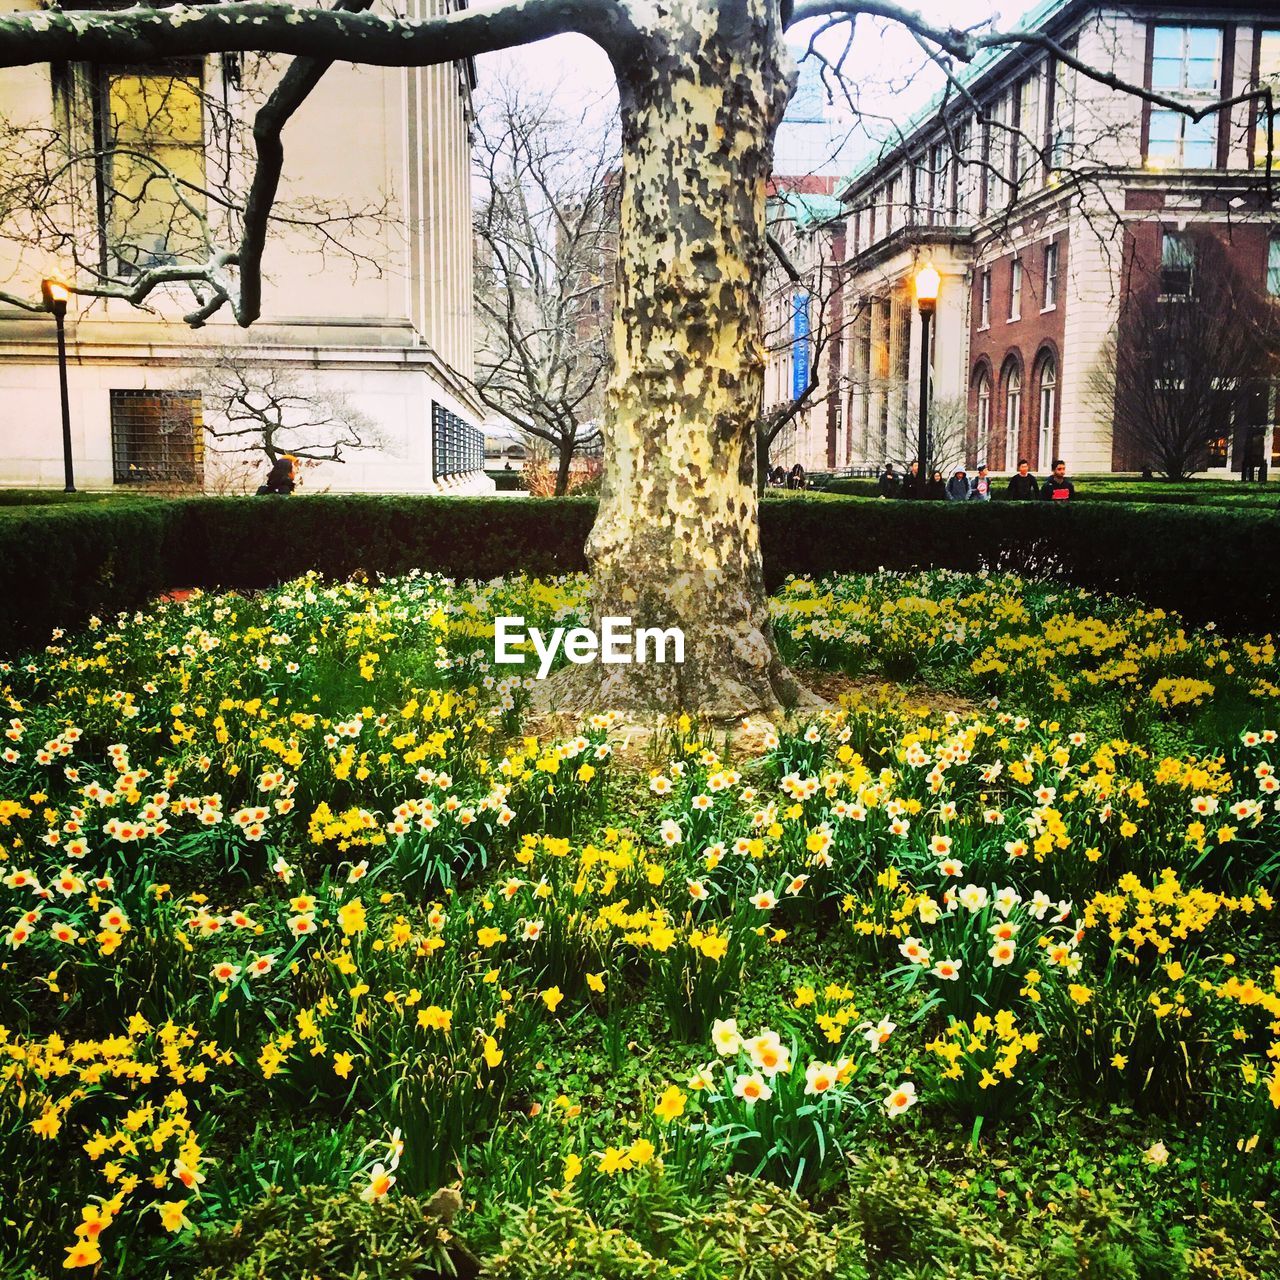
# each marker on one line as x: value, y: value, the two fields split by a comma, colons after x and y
x: 1012, y: 415
x: 984, y: 414
x: 1048, y: 407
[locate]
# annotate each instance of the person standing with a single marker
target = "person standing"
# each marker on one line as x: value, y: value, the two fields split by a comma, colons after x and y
x: 887, y: 485
x: 958, y: 487
x: 282, y: 477
x: 1022, y: 484
x: 936, y: 489
x: 911, y: 484
x: 1058, y: 488
x: 980, y: 489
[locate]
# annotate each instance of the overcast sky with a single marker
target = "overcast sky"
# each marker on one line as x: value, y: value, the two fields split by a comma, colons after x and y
x: 889, y: 74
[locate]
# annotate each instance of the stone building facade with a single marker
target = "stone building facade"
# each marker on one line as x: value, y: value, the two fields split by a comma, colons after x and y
x: 383, y: 325
x: 1038, y: 209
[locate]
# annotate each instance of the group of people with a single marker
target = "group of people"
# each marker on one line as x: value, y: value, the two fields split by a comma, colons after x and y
x: 965, y: 488
x: 793, y: 479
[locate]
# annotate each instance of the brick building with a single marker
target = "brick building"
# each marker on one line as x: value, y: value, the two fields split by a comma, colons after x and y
x: 1042, y: 210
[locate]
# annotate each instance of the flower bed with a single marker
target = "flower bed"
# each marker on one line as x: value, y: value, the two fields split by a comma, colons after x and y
x: 317, y: 950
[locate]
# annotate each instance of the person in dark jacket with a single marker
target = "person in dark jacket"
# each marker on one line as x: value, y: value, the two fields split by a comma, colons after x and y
x: 887, y: 485
x: 958, y: 487
x: 1022, y: 484
x: 936, y: 489
x: 980, y: 489
x: 911, y: 482
x: 795, y: 478
x: 1057, y: 488
x: 280, y: 479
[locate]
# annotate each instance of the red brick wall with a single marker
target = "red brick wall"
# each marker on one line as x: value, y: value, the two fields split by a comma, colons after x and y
x: 1247, y: 245
x: 1024, y: 342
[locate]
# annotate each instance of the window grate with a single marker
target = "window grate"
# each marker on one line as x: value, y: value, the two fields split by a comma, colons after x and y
x: 157, y: 437
x: 456, y: 447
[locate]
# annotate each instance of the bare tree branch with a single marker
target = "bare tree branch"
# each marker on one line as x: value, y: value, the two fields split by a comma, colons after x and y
x: 145, y: 34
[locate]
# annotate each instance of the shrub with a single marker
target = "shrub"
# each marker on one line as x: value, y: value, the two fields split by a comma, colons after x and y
x: 747, y: 1231
x: 912, y: 1228
x: 322, y: 1232
x: 62, y: 562
x: 59, y: 564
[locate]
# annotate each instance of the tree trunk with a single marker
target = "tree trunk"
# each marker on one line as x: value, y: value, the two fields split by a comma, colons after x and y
x: 763, y: 445
x: 676, y: 542
x: 562, y: 468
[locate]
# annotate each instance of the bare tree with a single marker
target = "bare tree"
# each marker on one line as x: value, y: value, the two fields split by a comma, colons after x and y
x: 546, y: 231
x: 1192, y: 340
x: 152, y: 196
x: 703, y: 85
x: 257, y: 407
x: 805, y: 283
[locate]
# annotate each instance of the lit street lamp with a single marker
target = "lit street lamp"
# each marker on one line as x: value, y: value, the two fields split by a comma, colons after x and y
x: 56, y: 295
x: 927, y: 283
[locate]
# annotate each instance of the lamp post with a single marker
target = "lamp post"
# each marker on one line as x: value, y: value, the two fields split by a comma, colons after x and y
x: 927, y: 282
x: 56, y: 295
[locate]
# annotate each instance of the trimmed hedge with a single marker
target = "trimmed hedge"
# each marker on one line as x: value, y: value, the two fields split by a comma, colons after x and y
x: 507, y: 481
x: 61, y: 563
x: 1207, y: 563
x: 1215, y: 493
x: 49, y: 497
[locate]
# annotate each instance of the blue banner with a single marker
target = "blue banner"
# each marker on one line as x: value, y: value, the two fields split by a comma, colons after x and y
x: 799, y: 345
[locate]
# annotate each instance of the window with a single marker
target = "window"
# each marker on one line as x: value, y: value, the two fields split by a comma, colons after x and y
x: 1030, y: 129
x: 1182, y: 143
x: 456, y: 447
x: 921, y: 199
x: 1186, y: 59
x: 984, y: 306
x: 1012, y: 412
x: 964, y: 173
x: 150, y: 127
x: 1268, y: 74
x: 1177, y: 265
x: 1015, y: 290
x: 1050, y: 275
x: 1048, y: 406
x: 997, y: 168
x: 984, y: 440
x: 157, y: 437
x: 1273, y: 267
x: 1062, y: 126
x: 1186, y: 62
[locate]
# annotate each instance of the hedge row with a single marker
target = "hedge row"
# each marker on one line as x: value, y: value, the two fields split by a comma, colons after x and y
x: 1191, y: 494
x: 60, y: 564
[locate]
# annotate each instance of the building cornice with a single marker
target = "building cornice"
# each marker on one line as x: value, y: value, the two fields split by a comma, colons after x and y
x: 907, y: 238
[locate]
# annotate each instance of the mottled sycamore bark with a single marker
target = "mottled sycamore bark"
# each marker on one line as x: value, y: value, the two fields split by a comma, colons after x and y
x: 676, y: 542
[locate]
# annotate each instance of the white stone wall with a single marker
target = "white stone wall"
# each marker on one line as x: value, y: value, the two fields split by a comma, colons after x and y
x: 395, y: 389
x: 392, y: 333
